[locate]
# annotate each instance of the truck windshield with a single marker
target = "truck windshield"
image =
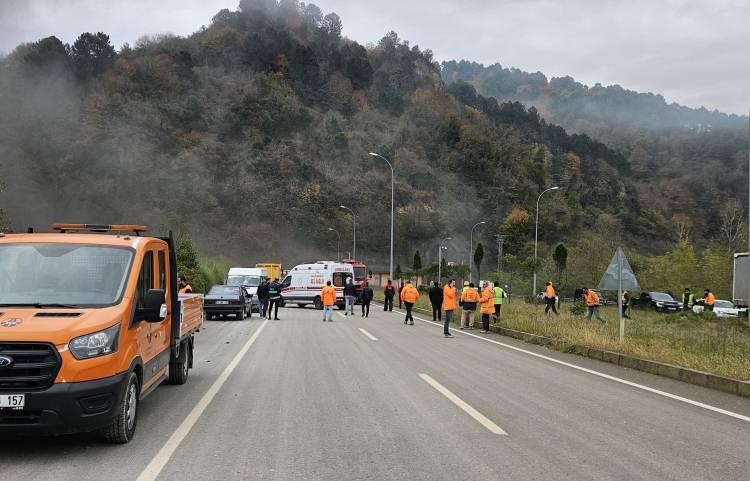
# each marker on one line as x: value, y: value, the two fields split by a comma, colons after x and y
x: 360, y: 273
x: 62, y: 275
x: 252, y: 281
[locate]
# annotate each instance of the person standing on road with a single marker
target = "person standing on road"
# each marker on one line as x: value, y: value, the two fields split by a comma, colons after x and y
x: 488, y: 306
x: 436, y: 299
x: 263, y: 298
x: 688, y: 300
x: 328, y: 296
x: 400, y: 290
x: 498, y: 300
x: 550, y: 299
x: 592, y: 304
x: 366, y: 296
x: 709, y: 300
x: 389, y: 292
x: 409, y: 294
x: 350, y: 296
x: 469, y: 301
x: 274, y: 294
x: 449, y: 304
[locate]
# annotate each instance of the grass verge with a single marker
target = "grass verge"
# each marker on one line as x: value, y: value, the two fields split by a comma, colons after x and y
x: 706, y: 343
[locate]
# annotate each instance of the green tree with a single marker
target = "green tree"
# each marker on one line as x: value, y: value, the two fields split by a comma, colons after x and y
x: 560, y: 256
x: 417, y: 265
x: 189, y: 266
x: 478, y: 258
x: 92, y: 54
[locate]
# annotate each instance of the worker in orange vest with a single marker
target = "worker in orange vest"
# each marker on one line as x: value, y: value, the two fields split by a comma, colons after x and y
x: 550, y: 299
x: 328, y: 296
x: 409, y: 295
x: 449, y: 305
x: 592, y: 304
x: 469, y: 300
x: 709, y: 300
x: 488, y: 306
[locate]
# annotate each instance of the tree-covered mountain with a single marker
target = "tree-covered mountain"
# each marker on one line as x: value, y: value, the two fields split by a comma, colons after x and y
x: 689, y: 165
x: 251, y: 132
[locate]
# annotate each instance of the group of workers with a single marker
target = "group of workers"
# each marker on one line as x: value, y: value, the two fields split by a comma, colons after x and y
x: 446, y: 299
x: 688, y: 300
x: 328, y: 298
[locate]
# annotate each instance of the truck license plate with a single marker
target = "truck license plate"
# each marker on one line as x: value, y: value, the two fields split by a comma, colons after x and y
x: 222, y: 302
x: 12, y: 401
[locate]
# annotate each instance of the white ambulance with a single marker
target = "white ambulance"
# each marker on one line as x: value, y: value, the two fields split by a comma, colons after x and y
x: 302, y: 284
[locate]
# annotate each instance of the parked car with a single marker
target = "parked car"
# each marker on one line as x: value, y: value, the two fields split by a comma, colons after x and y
x: 658, y: 301
x: 228, y: 300
x: 723, y: 308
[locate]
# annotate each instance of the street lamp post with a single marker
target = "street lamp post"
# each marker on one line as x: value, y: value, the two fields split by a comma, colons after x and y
x: 392, y: 196
x: 338, y: 243
x: 440, y: 256
x: 536, y: 235
x: 471, y: 245
x: 354, y: 227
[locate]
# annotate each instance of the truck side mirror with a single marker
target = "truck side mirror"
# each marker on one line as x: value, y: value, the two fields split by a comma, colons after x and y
x: 152, y: 302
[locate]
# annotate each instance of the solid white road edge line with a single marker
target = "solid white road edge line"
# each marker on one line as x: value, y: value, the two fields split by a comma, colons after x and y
x: 602, y: 375
x: 152, y: 470
x: 479, y: 417
x: 372, y: 338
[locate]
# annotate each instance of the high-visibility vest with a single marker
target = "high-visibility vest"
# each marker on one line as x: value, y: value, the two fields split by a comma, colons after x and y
x: 449, y: 298
x: 328, y: 296
x: 488, y: 301
x: 499, y: 294
x: 690, y: 299
x: 549, y: 291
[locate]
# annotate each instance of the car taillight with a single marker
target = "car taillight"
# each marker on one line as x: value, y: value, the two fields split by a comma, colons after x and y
x: 234, y: 302
x: 209, y: 301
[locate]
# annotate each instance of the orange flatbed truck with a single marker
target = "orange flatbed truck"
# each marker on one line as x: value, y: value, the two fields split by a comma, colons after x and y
x: 90, y: 323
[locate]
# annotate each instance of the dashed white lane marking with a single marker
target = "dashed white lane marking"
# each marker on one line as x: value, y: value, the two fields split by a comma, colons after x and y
x: 341, y: 315
x: 602, y: 375
x: 479, y: 417
x: 152, y: 470
x: 372, y: 338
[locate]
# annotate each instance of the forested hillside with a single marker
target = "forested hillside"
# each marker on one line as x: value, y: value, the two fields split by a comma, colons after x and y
x: 250, y: 133
x: 690, y: 165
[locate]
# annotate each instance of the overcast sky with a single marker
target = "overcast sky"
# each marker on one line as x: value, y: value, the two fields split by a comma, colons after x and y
x: 694, y: 52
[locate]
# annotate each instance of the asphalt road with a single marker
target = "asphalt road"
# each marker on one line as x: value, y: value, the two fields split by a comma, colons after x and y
x: 299, y: 399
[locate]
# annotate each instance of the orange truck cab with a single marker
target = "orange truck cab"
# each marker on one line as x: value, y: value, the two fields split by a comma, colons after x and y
x: 90, y: 324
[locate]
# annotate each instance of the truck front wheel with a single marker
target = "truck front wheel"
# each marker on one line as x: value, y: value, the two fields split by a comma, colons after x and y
x: 179, y: 368
x: 122, y: 429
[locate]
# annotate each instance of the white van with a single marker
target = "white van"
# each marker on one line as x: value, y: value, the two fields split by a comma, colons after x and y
x: 302, y: 285
x: 249, y: 278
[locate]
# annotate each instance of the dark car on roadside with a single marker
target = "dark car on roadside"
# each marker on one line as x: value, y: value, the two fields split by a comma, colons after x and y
x: 223, y: 301
x: 658, y: 301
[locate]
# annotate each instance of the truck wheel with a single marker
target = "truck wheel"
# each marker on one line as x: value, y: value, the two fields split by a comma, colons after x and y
x: 318, y: 303
x: 122, y: 429
x: 241, y: 315
x: 179, y: 368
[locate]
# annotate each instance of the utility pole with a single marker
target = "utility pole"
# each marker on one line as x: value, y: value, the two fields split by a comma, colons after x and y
x: 500, y: 242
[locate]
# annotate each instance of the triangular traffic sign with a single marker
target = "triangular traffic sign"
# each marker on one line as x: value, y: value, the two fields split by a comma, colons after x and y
x: 610, y: 280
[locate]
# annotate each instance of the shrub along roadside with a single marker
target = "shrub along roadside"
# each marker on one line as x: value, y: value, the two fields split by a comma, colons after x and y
x: 710, y: 344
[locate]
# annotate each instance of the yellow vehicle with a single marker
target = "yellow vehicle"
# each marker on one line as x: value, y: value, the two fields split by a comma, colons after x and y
x: 274, y: 270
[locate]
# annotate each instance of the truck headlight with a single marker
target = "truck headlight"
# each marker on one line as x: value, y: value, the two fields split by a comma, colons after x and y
x: 97, y: 344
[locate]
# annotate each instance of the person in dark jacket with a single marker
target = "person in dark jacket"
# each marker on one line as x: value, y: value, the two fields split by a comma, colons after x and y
x: 274, y: 293
x: 390, y: 293
x: 436, y: 299
x: 350, y: 296
x: 263, y: 298
x: 365, y: 297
